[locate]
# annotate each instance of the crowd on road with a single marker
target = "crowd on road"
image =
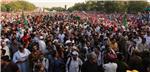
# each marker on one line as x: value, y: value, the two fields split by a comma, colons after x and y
x: 75, y: 42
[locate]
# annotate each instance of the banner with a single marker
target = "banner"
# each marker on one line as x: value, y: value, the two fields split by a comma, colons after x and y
x: 125, y: 21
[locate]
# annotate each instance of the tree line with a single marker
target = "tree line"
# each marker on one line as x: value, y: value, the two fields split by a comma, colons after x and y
x: 103, y: 6
x: 107, y: 6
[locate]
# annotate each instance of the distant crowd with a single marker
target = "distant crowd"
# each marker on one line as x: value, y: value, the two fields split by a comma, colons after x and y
x: 75, y: 42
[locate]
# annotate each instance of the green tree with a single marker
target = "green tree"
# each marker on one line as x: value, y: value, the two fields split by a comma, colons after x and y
x: 78, y: 6
x: 18, y: 6
x: 135, y: 6
x: 3, y: 7
x: 8, y: 8
x: 91, y: 5
x: 100, y: 6
x: 56, y: 8
x: 121, y: 6
x: 111, y: 6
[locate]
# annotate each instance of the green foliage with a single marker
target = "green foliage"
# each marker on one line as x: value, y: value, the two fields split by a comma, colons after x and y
x: 100, y: 6
x: 17, y: 6
x: 56, y: 9
x: 3, y: 8
x: 137, y: 6
x: 78, y: 6
x: 111, y: 6
x: 121, y: 6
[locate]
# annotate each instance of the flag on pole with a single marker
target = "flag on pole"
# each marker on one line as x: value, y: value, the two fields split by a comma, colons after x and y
x: 25, y: 22
x: 18, y: 21
x: 77, y: 17
x: 125, y: 21
x: 23, y: 17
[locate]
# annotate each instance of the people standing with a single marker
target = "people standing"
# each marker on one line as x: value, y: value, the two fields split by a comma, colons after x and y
x: 21, y: 59
x: 110, y: 66
x: 42, y: 45
x: 7, y: 65
x: 91, y: 64
x: 74, y: 63
x: 57, y: 63
x: 143, y: 46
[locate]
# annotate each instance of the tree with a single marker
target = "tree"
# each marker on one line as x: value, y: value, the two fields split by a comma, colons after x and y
x: 91, y: 5
x: 3, y: 8
x: 100, y: 6
x: 56, y: 8
x: 78, y: 6
x: 18, y: 6
x: 111, y: 6
x: 135, y: 6
x: 121, y: 6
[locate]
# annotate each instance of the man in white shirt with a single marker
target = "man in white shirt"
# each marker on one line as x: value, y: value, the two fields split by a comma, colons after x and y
x: 138, y: 40
x: 148, y: 39
x: 73, y: 63
x: 6, y: 48
x: 36, y: 38
x: 42, y: 45
x: 143, y: 46
x: 110, y: 66
x: 61, y: 37
x: 21, y: 59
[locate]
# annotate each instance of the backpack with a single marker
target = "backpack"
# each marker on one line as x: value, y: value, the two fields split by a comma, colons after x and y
x: 68, y: 65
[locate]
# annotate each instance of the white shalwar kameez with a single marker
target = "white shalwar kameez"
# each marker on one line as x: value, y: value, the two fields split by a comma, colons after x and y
x: 19, y: 56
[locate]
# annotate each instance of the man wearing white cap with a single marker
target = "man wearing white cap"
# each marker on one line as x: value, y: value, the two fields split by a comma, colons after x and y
x: 42, y: 45
x: 73, y: 63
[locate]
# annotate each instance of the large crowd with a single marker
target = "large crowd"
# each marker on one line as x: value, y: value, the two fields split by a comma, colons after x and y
x: 75, y: 42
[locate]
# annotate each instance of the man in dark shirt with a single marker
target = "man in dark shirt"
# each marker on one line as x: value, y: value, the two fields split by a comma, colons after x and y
x: 7, y: 65
x: 122, y: 65
x: 90, y: 65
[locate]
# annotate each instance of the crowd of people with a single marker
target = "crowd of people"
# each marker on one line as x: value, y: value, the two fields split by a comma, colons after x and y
x: 75, y: 42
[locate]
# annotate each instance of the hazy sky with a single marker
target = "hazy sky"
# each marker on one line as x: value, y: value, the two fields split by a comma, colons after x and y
x: 56, y: 3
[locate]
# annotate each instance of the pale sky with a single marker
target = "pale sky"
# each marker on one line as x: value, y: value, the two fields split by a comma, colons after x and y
x: 54, y: 3
x: 58, y: 3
